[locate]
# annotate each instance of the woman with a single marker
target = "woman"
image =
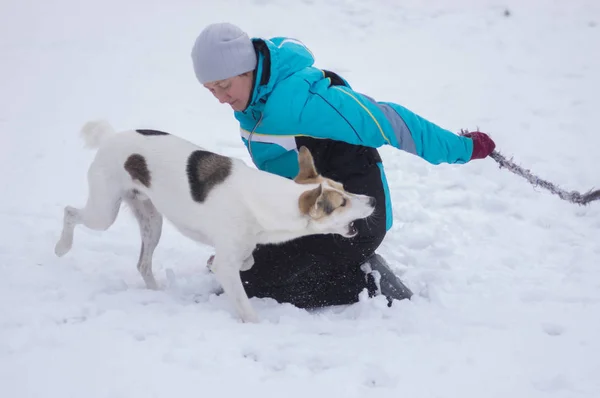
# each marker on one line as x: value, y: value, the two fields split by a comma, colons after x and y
x: 283, y: 102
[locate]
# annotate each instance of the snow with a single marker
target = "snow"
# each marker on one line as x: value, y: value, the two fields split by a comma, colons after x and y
x: 506, y: 276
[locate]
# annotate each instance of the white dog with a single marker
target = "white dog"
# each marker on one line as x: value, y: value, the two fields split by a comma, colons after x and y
x: 210, y: 198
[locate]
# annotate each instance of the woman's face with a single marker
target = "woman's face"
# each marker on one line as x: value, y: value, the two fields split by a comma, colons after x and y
x: 234, y: 91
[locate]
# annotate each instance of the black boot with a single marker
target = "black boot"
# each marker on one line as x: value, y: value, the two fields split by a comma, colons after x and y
x: 382, y: 280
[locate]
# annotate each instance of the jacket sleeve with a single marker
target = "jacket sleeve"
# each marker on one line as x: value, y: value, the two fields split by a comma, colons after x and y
x: 339, y: 113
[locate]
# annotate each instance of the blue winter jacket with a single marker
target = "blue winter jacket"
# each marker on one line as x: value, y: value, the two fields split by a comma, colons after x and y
x: 299, y: 100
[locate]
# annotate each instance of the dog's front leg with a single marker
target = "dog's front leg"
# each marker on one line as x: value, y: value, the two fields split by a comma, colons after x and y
x: 246, y: 264
x: 226, y: 268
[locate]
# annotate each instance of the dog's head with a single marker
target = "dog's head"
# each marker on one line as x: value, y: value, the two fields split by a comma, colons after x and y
x: 330, y: 208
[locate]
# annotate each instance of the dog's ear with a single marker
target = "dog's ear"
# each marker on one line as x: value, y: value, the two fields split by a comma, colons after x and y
x: 308, y: 200
x: 308, y: 172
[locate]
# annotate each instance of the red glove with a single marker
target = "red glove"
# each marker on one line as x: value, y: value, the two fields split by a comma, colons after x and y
x: 483, y: 145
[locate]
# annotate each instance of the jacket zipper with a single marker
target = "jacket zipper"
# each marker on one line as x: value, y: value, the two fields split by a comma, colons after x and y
x: 250, y: 138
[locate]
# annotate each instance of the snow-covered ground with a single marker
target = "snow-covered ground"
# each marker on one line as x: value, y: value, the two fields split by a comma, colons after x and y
x: 506, y: 276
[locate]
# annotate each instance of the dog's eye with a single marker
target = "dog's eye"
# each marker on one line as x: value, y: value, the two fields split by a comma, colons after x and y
x: 344, y: 201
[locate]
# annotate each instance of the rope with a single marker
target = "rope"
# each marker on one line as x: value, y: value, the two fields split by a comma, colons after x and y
x: 573, y: 196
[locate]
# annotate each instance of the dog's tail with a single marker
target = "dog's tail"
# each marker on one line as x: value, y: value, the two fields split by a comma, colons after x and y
x: 95, y: 132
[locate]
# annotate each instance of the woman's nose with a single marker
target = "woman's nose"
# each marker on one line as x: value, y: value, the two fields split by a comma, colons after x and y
x: 222, y: 97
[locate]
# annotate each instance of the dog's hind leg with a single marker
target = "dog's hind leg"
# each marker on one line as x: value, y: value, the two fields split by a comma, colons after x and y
x: 150, y: 222
x: 99, y: 213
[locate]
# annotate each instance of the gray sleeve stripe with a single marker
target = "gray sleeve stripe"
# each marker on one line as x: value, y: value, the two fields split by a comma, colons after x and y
x: 401, y: 131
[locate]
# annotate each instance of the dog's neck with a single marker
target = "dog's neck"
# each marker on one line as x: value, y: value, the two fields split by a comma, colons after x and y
x: 276, y: 207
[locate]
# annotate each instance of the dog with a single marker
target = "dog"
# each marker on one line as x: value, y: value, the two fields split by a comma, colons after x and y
x: 210, y: 198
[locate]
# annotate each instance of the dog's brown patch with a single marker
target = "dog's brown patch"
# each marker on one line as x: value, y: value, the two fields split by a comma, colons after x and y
x: 205, y: 170
x: 137, y: 168
x: 321, y: 202
x: 308, y: 199
x: 330, y: 201
x: 308, y: 173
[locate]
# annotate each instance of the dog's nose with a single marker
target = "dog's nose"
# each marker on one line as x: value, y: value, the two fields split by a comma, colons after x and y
x: 372, y: 201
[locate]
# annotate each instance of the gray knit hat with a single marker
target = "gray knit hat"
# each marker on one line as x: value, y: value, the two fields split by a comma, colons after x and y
x: 221, y: 51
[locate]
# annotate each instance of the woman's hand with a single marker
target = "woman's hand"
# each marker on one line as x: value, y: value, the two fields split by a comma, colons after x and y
x: 483, y: 145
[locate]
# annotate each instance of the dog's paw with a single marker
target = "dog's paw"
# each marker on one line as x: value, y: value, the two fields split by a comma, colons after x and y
x: 62, y: 247
x: 151, y: 283
x: 250, y: 318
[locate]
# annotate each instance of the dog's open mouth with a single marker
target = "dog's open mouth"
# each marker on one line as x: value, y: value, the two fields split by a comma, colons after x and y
x: 352, y: 231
